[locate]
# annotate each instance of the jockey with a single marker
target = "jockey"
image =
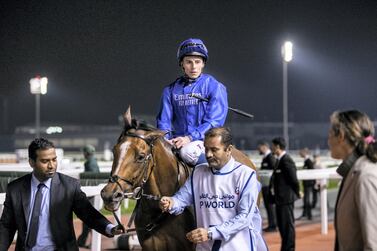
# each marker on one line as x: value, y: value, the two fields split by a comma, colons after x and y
x: 184, y: 118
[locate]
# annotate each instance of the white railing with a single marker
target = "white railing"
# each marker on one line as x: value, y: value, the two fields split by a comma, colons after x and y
x: 324, y: 175
x: 2, y: 199
x: 318, y: 174
x: 91, y: 191
x: 95, y: 191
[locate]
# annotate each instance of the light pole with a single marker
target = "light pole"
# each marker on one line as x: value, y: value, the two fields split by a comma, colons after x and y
x: 4, y: 126
x: 286, y: 51
x: 38, y: 86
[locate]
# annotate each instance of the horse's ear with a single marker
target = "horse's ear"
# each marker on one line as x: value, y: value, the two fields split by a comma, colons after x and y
x: 127, y: 118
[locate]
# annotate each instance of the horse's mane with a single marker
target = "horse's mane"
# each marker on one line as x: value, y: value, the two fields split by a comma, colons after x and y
x: 145, y: 126
x: 139, y: 125
x: 136, y: 125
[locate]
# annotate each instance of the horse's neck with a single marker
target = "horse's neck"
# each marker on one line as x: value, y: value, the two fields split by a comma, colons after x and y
x: 164, y: 177
x: 243, y: 158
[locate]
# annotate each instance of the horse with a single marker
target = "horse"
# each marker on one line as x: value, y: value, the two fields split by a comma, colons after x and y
x: 146, y: 168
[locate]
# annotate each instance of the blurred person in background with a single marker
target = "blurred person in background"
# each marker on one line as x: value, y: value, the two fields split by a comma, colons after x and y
x: 90, y: 165
x: 318, y: 183
x: 285, y: 190
x: 307, y: 184
x: 268, y: 163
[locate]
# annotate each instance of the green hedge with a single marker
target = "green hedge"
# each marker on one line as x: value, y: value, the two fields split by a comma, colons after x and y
x: 93, y: 179
x: 7, y: 176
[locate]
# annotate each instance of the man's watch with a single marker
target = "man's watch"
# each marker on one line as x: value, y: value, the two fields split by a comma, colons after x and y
x: 209, y: 235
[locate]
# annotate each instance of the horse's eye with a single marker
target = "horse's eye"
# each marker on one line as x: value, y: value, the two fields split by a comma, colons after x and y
x: 140, y: 158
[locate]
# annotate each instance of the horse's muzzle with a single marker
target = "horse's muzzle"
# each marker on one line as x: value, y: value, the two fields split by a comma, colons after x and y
x: 111, y: 199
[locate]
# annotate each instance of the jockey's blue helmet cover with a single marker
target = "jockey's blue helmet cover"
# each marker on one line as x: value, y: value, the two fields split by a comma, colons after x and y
x: 192, y: 47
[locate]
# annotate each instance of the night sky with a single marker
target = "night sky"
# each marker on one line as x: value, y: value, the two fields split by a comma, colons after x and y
x: 101, y: 56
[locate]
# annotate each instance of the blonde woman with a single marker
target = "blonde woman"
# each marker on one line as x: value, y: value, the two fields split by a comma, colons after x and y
x: 351, y: 139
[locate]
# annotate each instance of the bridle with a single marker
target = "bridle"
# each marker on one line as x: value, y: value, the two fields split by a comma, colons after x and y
x: 138, y: 191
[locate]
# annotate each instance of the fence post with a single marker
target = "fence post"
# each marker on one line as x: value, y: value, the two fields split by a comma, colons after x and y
x: 324, y: 216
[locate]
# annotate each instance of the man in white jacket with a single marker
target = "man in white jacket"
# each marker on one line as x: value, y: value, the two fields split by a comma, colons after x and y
x: 224, y: 194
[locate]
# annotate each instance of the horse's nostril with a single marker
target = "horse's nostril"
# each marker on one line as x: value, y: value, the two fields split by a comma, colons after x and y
x: 106, y: 196
x: 103, y: 193
x: 117, y: 196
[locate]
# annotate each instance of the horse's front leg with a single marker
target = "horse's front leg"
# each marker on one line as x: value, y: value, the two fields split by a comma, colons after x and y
x: 154, y: 243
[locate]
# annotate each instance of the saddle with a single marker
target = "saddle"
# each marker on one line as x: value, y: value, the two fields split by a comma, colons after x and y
x: 183, y: 167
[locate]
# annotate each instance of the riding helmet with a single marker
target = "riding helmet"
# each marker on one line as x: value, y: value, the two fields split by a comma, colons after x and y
x: 192, y: 47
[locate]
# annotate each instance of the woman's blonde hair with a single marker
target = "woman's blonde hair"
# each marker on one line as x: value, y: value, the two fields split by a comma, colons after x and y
x: 356, y: 127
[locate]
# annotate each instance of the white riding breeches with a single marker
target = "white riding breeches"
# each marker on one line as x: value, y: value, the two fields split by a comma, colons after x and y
x: 191, y: 152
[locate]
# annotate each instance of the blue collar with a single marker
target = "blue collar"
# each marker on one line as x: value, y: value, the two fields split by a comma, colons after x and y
x: 35, y: 182
x: 229, y: 167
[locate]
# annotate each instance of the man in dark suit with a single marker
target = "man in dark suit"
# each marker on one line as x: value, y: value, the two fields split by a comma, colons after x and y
x: 268, y: 163
x: 308, y: 185
x: 40, y: 206
x: 285, y: 190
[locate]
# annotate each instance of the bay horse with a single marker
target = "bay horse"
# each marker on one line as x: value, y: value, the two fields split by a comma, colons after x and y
x: 145, y: 166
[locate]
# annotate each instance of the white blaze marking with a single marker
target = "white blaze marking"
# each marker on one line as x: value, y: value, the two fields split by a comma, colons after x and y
x: 123, y: 150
